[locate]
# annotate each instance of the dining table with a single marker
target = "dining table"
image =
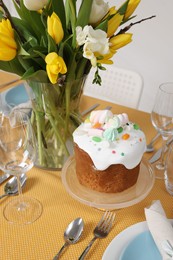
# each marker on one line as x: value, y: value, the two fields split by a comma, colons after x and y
x: 42, y: 239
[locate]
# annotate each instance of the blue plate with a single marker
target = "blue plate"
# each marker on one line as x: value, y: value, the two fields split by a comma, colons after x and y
x: 142, y: 247
x: 16, y: 96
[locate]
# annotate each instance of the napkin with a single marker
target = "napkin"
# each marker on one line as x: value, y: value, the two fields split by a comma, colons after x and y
x: 160, y: 228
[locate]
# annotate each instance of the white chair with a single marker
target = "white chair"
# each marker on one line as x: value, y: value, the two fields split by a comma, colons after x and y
x: 119, y: 86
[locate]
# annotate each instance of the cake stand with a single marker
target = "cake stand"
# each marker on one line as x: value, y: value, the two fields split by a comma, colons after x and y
x: 108, y: 201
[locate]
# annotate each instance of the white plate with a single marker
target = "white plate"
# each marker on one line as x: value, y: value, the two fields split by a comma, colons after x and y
x: 130, y: 239
x: 102, y: 200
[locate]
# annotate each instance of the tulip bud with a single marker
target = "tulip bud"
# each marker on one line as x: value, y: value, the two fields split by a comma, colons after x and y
x: 120, y: 40
x: 113, y: 24
x: 98, y: 10
x: 54, y: 27
x: 131, y: 8
x: 8, y: 45
x: 35, y: 5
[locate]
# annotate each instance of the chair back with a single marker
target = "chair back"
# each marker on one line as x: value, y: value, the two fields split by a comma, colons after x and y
x: 119, y: 86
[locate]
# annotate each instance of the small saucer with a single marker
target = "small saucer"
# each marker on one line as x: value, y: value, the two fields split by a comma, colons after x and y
x: 106, y: 201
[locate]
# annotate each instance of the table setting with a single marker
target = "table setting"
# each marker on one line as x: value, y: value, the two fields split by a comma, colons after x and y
x: 60, y: 209
x: 45, y: 212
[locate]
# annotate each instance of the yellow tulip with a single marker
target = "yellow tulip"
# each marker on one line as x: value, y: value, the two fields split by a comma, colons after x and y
x: 115, y: 42
x: 131, y: 8
x: 54, y: 27
x: 55, y: 65
x: 112, y: 10
x: 8, y: 45
x: 106, y: 58
x: 119, y: 41
x: 113, y: 24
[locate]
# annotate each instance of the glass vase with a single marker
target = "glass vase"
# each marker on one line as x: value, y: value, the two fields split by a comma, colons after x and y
x: 55, y: 115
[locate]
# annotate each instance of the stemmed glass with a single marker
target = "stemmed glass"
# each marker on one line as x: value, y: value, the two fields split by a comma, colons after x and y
x: 17, y: 156
x: 162, y: 120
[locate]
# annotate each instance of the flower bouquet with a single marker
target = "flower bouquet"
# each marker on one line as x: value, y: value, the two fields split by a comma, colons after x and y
x: 52, y: 45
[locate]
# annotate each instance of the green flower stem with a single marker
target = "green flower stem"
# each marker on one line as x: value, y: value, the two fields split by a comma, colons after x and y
x: 81, y: 68
x: 67, y: 107
x: 39, y: 139
x: 57, y: 133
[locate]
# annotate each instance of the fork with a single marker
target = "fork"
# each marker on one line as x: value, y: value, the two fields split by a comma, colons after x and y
x: 101, y: 230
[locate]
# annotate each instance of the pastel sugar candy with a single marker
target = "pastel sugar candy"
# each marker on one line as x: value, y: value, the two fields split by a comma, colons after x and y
x: 100, y: 116
x: 123, y: 118
x: 110, y: 134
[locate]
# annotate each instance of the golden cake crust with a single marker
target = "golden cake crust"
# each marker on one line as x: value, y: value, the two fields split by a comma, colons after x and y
x: 116, y: 178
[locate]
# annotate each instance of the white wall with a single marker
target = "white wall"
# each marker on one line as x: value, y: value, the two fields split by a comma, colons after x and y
x: 151, y: 52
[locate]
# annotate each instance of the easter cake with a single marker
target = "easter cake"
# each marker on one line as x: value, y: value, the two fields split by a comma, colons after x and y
x: 108, y: 151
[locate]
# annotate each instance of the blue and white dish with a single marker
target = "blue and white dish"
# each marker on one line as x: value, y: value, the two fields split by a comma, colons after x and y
x: 142, y: 247
x: 133, y: 243
x: 16, y: 96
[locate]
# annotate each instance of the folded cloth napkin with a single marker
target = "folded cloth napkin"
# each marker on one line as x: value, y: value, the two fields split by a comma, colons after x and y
x: 161, y: 229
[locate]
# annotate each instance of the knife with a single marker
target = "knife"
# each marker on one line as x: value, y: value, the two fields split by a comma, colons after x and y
x: 85, y: 112
x: 9, y: 83
x: 4, y: 177
x: 157, y: 155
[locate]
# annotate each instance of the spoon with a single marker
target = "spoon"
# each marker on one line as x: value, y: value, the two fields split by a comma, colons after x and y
x: 71, y: 234
x: 11, y: 187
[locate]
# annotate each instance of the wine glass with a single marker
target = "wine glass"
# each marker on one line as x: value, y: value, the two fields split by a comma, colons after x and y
x: 17, y: 156
x: 1, y: 108
x: 162, y: 120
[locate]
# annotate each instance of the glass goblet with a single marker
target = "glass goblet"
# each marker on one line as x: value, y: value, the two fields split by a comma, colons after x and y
x: 162, y: 120
x: 17, y: 156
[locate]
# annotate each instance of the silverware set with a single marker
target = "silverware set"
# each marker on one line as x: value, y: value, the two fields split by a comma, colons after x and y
x: 156, y: 156
x: 74, y: 230
x: 101, y: 230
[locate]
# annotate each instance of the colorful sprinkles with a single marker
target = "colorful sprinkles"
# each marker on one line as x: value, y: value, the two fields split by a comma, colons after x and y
x: 96, y: 139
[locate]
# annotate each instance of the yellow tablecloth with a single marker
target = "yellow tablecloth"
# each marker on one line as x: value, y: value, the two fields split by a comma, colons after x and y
x: 42, y: 239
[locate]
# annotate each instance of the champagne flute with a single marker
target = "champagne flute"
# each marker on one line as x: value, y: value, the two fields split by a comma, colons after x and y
x: 162, y: 120
x: 17, y: 156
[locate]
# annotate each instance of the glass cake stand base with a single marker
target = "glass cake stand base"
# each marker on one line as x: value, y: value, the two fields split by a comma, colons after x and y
x: 108, y: 201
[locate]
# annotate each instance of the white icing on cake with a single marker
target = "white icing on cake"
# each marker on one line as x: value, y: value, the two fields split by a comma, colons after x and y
x: 110, y: 139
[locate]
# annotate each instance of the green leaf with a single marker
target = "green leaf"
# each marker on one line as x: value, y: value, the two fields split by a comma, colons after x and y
x: 39, y: 53
x: 22, y: 51
x: 71, y: 12
x: 1, y: 14
x: 67, y: 13
x: 67, y: 53
x: 12, y: 66
x: 26, y: 63
x: 39, y: 75
x: 51, y: 44
x: 84, y: 13
x: 103, y: 26
x: 31, y: 18
x: 123, y: 8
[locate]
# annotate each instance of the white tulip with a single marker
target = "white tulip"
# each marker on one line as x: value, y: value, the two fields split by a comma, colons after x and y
x: 35, y: 5
x: 98, y: 11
